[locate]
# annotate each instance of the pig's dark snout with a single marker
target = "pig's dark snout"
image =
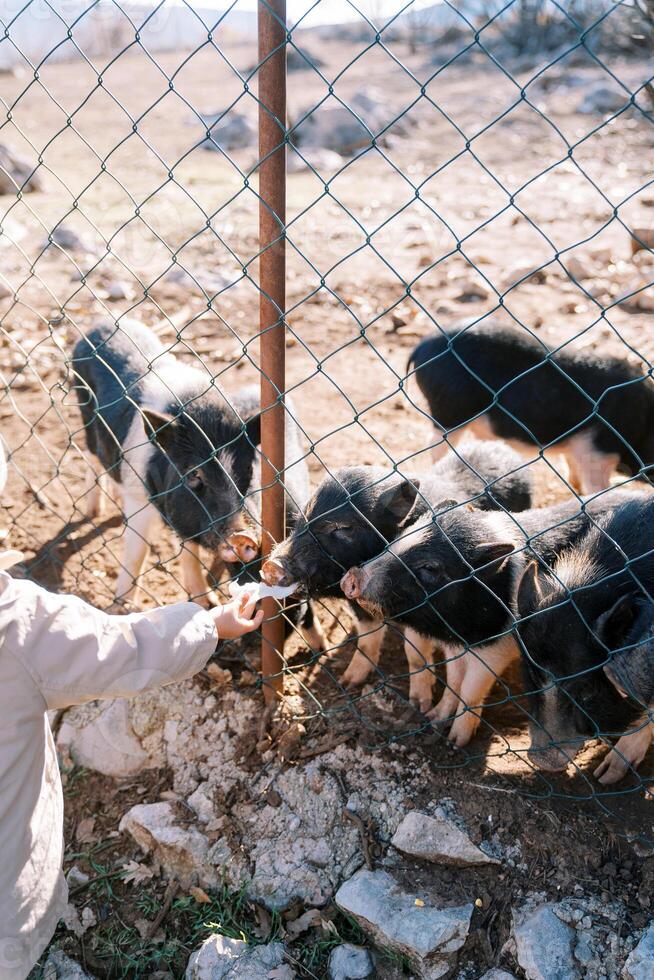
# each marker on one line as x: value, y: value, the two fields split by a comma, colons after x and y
x: 549, y: 759
x: 351, y: 583
x: 274, y: 573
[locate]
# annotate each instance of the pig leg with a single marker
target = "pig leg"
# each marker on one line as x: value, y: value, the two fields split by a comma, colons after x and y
x: 194, y: 578
x: 589, y: 470
x: 136, y: 548
x: 96, y: 490
x: 367, y: 655
x: 628, y: 753
x: 483, y: 667
x: 455, y: 668
x: 419, y: 652
x: 312, y: 631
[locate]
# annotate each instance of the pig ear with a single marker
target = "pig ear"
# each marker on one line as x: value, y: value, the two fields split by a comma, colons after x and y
x: 160, y: 427
x: 253, y: 429
x: 610, y: 673
x: 399, y: 499
x: 613, y: 625
x: 530, y: 590
x: 490, y: 551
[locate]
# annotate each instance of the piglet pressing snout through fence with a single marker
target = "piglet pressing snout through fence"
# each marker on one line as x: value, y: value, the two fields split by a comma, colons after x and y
x: 173, y: 443
x: 354, y: 514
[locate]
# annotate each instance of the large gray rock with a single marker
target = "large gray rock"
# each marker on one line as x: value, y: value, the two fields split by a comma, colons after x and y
x: 496, y: 974
x: 349, y: 962
x: 182, y: 851
x: 603, y: 99
x: 15, y: 171
x: 437, y: 839
x: 58, y: 966
x: 427, y: 934
x: 231, y: 132
x: 544, y: 945
x: 220, y: 958
x: 106, y: 743
x: 346, y: 129
x: 640, y: 962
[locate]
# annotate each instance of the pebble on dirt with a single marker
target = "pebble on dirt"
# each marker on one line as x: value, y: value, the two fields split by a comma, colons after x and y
x: 348, y: 962
x: 104, y: 741
x: 183, y: 852
x: 544, y: 944
x: 233, y: 132
x: 437, y: 839
x: 640, y: 962
x: 427, y: 936
x: 14, y: 171
x: 58, y: 966
x: 219, y: 957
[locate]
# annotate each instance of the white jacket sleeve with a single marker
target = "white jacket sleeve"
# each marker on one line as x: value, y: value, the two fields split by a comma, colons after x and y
x: 76, y: 653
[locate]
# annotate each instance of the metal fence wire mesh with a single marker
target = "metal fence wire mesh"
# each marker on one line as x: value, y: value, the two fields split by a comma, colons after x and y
x: 469, y: 269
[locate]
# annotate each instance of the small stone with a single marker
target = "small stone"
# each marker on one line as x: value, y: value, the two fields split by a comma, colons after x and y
x: 544, y: 945
x: 17, y: 173
x: 201, y: 805
x: 183, y: 852
x: 642, y: 238
x: 578, y: 268
x: 640, y: 962
x: 583, y: 950
x: 323, y: 162
x: 437, y: 839
x: 349, y: 962
x: 106, y: 744
x: 470, y: 291
x: 232, y: 959
x: 426, y: 936
x: 58, y: 966
x: 523, y: 274
x: 116, y: 290
x: 76, y: 877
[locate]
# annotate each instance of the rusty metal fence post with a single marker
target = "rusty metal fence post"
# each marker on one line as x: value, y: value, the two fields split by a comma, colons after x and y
x: 272, y: 274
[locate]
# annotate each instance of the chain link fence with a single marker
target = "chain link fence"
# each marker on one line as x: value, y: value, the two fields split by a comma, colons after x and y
x: 474, y: 173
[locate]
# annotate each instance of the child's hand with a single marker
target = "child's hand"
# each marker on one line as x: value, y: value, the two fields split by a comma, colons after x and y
x: 235, y: 618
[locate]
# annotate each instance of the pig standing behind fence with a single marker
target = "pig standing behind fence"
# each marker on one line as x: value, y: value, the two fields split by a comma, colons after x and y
x: 596, y: 599
x: 502, y: 382
x: 174, y: 443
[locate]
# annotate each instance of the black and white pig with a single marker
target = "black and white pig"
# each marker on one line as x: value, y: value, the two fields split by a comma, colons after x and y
x: 353, y: 515
x: 453, y: 576
x: 175, y: 445
x: 596, y: 600
x: 497, y: 381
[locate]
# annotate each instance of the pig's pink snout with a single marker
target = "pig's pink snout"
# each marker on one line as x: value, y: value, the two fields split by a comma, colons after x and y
x: 351, y: 583
x: 274, y: 573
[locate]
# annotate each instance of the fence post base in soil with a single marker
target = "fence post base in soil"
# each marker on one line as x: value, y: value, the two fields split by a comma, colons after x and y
x: 272, y: 265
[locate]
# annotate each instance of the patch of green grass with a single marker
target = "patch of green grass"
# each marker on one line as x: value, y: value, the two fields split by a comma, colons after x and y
x: 116, y: 945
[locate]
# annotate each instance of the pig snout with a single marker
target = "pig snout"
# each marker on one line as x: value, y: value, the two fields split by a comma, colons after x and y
x: 240, y: 545
x: 352, y: 583
x: 274, y: 573
x: 547, y: 755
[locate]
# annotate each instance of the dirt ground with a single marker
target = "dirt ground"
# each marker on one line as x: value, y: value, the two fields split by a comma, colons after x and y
x: 431, y: 228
